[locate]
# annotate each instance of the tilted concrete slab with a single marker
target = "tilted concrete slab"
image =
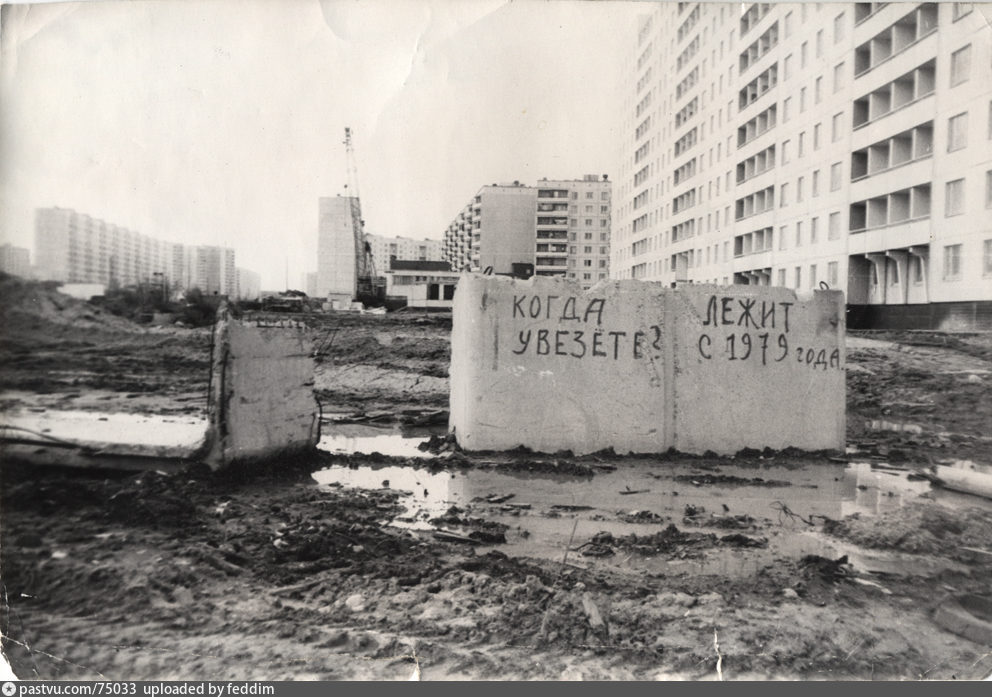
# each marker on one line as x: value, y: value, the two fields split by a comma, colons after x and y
x: 640, y: 367
x: 261, y: 392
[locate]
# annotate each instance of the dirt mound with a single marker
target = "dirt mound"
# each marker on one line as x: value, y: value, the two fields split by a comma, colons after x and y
x: 918, y: 528
x: 30, y: 306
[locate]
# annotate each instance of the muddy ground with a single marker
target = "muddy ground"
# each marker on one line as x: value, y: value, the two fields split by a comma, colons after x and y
x: 766, y: 565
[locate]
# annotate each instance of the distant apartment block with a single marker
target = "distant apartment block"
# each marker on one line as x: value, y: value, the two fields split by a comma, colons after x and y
x: 249, y: 285
x: 15, y: 260
x: 562, y: 227
x: 337, y: 249
x: 77, y: 248
x: 403, y: 248
x: 212, y: 270
x: 806, y: 144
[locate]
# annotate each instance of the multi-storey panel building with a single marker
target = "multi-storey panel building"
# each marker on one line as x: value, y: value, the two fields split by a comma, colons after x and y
x: 77, y: 248
x: 337, y: 272
x: 561, y: 227
x: 402, y: 248
x: 15, y: 260
x: 800, y: 144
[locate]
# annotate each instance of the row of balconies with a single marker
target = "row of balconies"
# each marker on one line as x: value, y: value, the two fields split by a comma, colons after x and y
x: 891, y: 209
x: 685, y: 171
x: 683, y: 201
x: 687, y: 83
x: 905, y: 89
x: 921, y: 22
x: 913, y: 144
x: 757, y: 126
x: 754, y: 14
x: 684, y: 230
x: 756, y: 164
x: 686, y: 112
x: 753, y: 242
x: 757, y: 202
x: 759, y: 86
x: 765, y: 43
x: 685, y: 142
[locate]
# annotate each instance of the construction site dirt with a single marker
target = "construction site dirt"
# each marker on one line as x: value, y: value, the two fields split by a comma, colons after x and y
x: 393, y: 554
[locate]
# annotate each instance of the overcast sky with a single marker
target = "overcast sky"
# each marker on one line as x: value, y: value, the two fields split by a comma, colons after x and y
x: 222, y: 121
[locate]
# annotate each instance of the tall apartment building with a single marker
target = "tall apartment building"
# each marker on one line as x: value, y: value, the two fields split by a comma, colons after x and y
x: 15, y: 260
x: 562, y: 227
x: 77, y: 248
x: 337, y: 274
x: 790, y: 145
x: 212, y: 270
x: 403, y: 248
x: 249, y: 285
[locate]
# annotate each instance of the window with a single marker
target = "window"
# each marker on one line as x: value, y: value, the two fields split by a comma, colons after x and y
x: 817, y: 89
x: 587, y: 250
x: 838, y: 77
x: 812, y: 275
x: 816, y: 182
x: 588, y: 222
x: 799, y: 277
x: 960, y: 10
x: 916, y: 268
x: 816, y: 137
x: 783, y: 194
x: 588, y: 194
x: 957, y: 132
x: 832, y: 273
x: 587, y: 262
x: 802, y: 99
x: 988, y: 189
x: 604, y: 196
x: 802, y: 143
x: 814, y: 230
x: 836, y: 127
x: 799, y: 189
x: 803, y: 51
x: 954, y: 198
x: 787, y: 67
x: 839, y: 28
x: 788, y: 25
x: 835, y: 176
x: 960, y: 65
x: 781, y: 277
x: 833, y: 226
x: 952, y: 262
x: 819, y: 43
x: 785, y: 109
x: 785, y: 151
x: 799, y: 234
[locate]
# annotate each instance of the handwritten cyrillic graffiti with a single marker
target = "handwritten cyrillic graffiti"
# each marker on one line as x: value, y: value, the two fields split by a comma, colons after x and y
x: 765, y: 347
x: 564, y: 309
x: 582, y: 343
x: 745, y: 312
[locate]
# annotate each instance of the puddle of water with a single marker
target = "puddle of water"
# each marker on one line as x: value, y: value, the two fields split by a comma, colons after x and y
x: 392, y: 441
x: 166, y: 436
x: 548, y: 514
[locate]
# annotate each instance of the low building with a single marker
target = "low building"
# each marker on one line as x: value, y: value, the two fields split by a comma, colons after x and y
x: 424, y: 284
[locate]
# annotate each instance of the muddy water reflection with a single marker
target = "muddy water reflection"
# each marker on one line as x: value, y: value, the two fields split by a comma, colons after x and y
x: 543, y: 510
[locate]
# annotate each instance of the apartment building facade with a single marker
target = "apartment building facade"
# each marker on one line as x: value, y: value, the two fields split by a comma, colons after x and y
x: 15, y: 260
x: 806, y: 144
x: 402, y: 248
x: 74, y: 247
x: 561, y: 227
x: 77, y: 248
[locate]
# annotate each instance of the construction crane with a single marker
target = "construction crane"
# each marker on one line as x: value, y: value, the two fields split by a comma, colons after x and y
x: 369, y: 288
